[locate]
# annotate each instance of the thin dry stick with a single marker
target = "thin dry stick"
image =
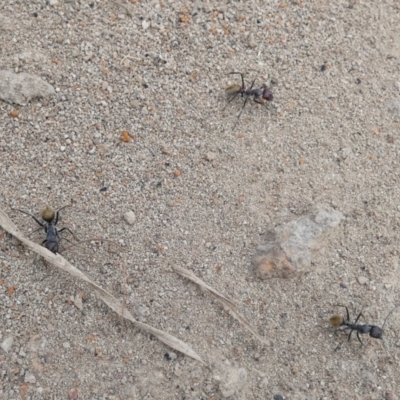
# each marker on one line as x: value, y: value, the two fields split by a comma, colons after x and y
x: 60, y: 262
x: 123, y: 288
x: 229, y: 304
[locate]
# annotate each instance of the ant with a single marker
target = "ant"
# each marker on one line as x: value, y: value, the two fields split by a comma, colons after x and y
x: 373, y: 331
x: 50, y: 218
x: 260, y: 95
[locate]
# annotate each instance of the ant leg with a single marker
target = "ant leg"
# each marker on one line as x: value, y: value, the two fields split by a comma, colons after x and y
x: 384, y: 322
x: 42, y: 225
x: 358, y: 337
x: 251, y: 86
x: 244, y: 105
x: 66, y: 229
x: 38, y: 229
x: 242, y: 81
x: 347, y: 311
x: 358, y: 317
x: 233, y: 98
x: 58, y: 212
x: 247, y: 99
x: 56, y: 218
x: 263, y: 103
x: 65, y: 240
x: 348, y: 315
x: 238, y: 73
x: 350, y: 335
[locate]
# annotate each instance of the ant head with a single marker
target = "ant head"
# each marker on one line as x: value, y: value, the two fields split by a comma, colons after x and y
x: 267, y: 94
x: 376, y: 332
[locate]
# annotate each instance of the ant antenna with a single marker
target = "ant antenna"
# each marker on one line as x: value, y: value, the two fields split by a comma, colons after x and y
x: 384, y: 341
x: 384, y: 322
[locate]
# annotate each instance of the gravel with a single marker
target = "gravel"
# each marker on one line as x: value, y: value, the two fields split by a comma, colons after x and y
x: 136, y: 125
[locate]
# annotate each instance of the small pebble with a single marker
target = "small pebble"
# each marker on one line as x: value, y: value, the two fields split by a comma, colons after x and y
x: 73, y: 394
x: 29, y: 378
x: 170, y: 356
x: 7, y: 343
x: 362, y: 280
x: 211, y: 156
x: 252, y: 42
x: 130, y: 217
x: 390, y: 396
x: 15, y: 241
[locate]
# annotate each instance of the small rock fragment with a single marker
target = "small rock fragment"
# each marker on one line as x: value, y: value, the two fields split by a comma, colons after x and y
x: 15, y: 241
x: 170, y: 355
x: 393, y: 107
x: 145, y: 24
x: 125, y: 136
x: 7, y: 343
x: 36, y: 364
x: 73, y: 394
x: 390, y: 396
x: 6, y: 23
x: 34, y: 343
x: 287, y: 250
x: 23, y: 87
x: 231, y: 381
x: 211, y: 156
x: 77, y: 300
x: 252, y: 42
x: 29, y: 378
x: 130, y: 217
x: 165, y: 150
x: 362, y: 280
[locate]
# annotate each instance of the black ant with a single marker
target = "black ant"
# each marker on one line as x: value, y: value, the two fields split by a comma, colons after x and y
x: 50, y: 218
x: 373, y: 331
x: 260, y: 95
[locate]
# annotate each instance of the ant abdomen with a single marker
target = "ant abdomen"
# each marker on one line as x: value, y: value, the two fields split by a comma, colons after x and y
x: 48, y: 214
x: 336, y: 320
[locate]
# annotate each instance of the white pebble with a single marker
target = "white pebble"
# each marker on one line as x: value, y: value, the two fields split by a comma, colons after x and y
x: 29, y: 378
x: 7, y: 343
x: 130, y: 217
x: 362, y: 280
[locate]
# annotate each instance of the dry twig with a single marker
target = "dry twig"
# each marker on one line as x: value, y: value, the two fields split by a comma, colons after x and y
x: 229, y: 304
x: 60, y: 262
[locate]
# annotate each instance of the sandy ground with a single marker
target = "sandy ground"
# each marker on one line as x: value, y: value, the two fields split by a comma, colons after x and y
x: 204, y: 191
